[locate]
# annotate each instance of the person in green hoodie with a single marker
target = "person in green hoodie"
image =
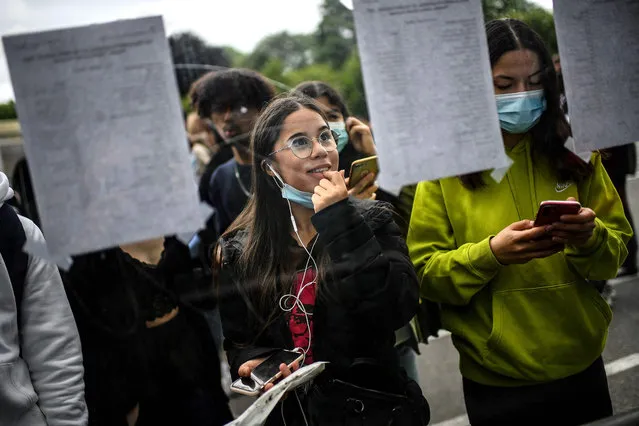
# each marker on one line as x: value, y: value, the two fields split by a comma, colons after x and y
x: 528, y: 324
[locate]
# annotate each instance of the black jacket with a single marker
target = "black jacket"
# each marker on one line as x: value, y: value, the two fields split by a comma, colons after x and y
x: 172, y: 370
x: 21, y: 183
x: 369, y: 291
x: 620, y: 161
x: 224, y: 155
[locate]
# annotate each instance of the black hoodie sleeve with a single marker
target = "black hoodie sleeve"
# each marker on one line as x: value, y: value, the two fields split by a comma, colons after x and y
x: 241, y: 342
x: 372, y: 278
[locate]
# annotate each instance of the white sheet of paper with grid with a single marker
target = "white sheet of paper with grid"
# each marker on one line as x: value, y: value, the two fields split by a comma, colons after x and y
x: 429, y: 88
x: 102, y: 124
x: 599, y: 50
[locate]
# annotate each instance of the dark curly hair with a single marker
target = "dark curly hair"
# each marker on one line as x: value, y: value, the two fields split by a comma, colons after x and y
x: 234, y: 87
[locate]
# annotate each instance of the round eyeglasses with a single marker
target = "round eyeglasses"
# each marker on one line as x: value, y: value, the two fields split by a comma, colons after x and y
x: 302, y: 146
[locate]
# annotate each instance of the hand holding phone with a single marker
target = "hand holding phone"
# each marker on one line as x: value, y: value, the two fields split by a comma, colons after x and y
x: 363, y: 167
x: 259, y: 375
x: 521, y: 242
x: 575, y: 227
x: 246, y: 386
x: 270, y: 369
x: 366, y: 189
x: 551, y: 211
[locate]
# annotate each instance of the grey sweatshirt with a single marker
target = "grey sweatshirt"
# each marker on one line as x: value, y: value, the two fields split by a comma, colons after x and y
x: 41, y: 372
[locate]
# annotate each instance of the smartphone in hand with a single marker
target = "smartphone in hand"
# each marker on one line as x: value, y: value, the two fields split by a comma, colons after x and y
x: 266, y: 372
x: 551, y: 211
x: 360, y: 168
x: 269, y: 370
x: 246, y: 386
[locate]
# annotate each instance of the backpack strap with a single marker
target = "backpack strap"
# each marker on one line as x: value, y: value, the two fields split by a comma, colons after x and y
x: 12, y: 240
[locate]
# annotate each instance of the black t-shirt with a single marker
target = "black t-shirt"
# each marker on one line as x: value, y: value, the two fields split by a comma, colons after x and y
x: 229, y: 190
x: 224, y: 155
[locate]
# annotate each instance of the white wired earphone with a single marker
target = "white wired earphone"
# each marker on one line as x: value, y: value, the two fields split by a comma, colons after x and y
x: 297, y: 301
x: 296, y: 298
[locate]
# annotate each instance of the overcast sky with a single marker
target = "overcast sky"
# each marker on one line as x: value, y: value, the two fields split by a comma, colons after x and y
x: 238, y: 23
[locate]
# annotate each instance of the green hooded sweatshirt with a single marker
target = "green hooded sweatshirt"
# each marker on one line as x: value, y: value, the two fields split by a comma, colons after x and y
x: 517, y: 324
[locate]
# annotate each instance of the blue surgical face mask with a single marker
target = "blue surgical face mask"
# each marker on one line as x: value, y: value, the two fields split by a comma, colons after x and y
x: 339, y: 127
x: 519, y: 112
x: 298, y: 197
x: 293, y: 194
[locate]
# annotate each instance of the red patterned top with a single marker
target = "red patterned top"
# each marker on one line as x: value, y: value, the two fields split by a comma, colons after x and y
x: 297, y: 320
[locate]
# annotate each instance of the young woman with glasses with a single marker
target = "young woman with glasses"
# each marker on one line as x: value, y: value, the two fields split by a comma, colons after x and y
x: 307, y: 267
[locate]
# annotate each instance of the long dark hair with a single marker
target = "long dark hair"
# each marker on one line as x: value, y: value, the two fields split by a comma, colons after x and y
x: 318, y: 89
x: 266, y: 265
x: 552, y: 131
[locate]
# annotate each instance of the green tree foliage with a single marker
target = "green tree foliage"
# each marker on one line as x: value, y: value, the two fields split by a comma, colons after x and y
x: 8, y: 111
x: 235, y: 57
x: 353, y: 86
x: 495, y: 9
x: 322, y: 72
x: 185, y: 101
x: 188, y: 48
x: 274, y: 69
x: 537, y: 17
x: 292, y: 50
x: 335, y: 35
x: 542, y: 22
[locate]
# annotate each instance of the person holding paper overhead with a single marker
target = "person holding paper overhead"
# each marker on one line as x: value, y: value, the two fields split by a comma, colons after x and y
x: 529, y: 326
x: 307, y: 267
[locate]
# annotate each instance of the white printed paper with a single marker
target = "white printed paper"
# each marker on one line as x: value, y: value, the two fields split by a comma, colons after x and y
x: 259, y: 411
x: 429, y: 88
x: 40, y: 249
x: 102, y: 124
x: 599, y: 49
x: 498, y: 173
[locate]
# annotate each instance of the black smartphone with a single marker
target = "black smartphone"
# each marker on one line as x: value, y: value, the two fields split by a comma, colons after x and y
x: 269, y: 370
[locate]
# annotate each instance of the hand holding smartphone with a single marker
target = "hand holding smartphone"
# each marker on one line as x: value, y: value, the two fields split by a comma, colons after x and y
x: 246, y: 386
x: 268, y: 371
x: 551, y: 211
x: 360, y: 168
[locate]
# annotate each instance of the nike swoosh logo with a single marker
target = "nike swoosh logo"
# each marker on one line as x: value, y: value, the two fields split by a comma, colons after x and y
x: 561, y: 187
